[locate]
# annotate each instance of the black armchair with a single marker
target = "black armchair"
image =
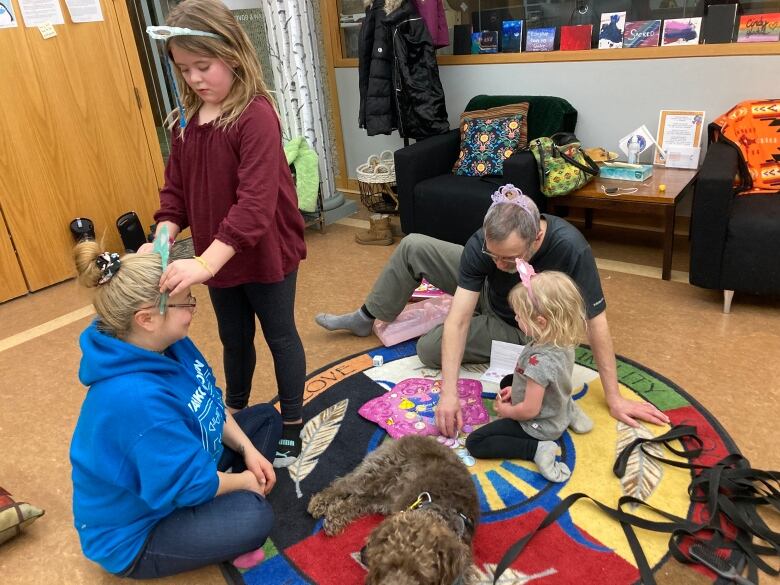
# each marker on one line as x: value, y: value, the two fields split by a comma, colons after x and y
x: 734, y: 239
x: 435, y: 202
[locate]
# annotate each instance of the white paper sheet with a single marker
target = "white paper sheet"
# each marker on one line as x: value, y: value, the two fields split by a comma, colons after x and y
x: 40, y: 12
x: 7, y: 16
x: 503, y: 359
x: 84, y: 10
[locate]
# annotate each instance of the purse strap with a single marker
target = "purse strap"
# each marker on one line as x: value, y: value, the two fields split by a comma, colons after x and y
x: 592, y: 168
x: 731, y: 490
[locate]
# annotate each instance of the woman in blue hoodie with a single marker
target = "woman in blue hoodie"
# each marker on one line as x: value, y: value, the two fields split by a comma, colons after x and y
x: 152, y: 494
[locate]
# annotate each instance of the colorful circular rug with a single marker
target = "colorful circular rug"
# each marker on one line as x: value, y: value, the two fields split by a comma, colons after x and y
x: 584, y: 546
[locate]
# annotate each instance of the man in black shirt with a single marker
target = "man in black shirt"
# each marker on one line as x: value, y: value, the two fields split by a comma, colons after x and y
x: 480, y: 276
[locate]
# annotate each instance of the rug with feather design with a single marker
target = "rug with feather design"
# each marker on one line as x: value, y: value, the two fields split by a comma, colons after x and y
x: 583, y: 546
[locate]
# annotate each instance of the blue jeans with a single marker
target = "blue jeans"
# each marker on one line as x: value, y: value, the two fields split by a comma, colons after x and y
x: 223, y: 528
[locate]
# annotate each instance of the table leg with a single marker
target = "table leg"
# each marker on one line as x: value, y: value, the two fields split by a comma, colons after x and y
x: 588, y: 218
x: 666, y: 271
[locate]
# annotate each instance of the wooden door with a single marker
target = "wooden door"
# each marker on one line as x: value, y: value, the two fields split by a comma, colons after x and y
x: 11, y: 279
x: 77, y: 138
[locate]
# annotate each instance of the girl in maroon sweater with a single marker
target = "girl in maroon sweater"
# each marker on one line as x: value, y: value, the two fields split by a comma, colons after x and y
x: 228, y: 180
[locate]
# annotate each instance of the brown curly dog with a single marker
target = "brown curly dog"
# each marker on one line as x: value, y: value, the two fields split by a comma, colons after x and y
x: 432, y: 506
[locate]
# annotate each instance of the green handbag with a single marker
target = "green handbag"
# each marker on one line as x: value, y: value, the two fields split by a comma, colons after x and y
x: 563, y: 166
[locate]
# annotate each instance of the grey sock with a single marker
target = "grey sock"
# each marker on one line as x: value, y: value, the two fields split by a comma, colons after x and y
x: 549, y: 467
x: 357, y: 322
x: 579, y: 421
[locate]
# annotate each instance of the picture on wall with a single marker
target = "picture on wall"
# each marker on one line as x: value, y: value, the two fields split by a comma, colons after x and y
x: 681, y: 31
x: 642, y: 33
x: 611, y: 31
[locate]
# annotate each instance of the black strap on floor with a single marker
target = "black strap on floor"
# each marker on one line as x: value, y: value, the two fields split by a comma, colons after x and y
x: 730, y: 490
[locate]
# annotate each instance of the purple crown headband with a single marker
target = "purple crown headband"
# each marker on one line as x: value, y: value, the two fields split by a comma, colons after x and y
x: 510, y: 194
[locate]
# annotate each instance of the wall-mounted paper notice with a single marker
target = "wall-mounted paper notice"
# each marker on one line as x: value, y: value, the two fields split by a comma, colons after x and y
x: 40, y: 12
x: 84, y: 10
x: 7, y: 16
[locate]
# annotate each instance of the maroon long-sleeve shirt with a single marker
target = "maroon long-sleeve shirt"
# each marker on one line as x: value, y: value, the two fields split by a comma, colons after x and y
x: 235, y: 186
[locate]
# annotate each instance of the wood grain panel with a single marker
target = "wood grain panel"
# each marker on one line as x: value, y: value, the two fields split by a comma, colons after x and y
x: 12, y: 282
x: 73, y: 141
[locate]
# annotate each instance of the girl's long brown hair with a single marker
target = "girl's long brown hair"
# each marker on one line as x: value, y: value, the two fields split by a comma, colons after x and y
x: 233, y: 48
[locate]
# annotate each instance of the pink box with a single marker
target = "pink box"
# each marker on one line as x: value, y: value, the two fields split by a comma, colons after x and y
x: 416, y: 319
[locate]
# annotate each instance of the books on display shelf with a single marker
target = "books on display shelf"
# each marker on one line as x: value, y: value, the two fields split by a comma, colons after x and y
x: 759, y: 28
x: 483, y: 42
x: 511, y: 36
x: 576, y: 37
x: 642, y: 33
x: 540, y: 39
x: 719, y: 24
x: 611, y: 31
x: 681, y: 31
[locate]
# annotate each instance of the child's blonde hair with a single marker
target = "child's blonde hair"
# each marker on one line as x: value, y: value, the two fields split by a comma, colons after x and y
x: 135, y: 284
x: 554, y: 296
x: 233, y: 47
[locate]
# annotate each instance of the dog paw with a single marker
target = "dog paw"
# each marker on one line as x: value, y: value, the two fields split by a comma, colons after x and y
x: 318, y: 505
x: 332, y: 526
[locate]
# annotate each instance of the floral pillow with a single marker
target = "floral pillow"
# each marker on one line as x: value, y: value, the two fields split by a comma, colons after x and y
x: 489, y: 137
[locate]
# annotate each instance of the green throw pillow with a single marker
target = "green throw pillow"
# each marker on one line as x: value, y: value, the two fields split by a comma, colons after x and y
x: 489, y: 137
x: 15, y: 515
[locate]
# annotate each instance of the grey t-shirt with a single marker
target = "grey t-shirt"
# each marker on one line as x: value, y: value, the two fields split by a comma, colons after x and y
x: 563, y: 249
x: 550, y: 367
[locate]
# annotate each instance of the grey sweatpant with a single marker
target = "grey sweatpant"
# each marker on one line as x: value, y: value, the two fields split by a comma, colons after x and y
x: 418, y: 257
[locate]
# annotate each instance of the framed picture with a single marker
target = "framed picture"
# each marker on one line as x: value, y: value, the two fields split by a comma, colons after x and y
x: 678, y: 129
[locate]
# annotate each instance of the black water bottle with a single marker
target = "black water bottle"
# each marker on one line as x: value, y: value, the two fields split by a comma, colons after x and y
x: 131, y: 231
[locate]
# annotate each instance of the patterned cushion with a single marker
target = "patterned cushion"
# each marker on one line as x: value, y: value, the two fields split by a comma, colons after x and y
x: 489, y: 137
x: 14, y: 516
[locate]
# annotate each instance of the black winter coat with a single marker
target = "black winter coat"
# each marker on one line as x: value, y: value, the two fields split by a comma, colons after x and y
x: 399, y: 77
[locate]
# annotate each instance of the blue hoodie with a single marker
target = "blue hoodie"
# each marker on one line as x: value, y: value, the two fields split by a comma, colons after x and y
x: 147, y: 442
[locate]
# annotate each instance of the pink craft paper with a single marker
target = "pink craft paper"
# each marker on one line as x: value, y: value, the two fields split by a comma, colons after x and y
x: 408, y: 409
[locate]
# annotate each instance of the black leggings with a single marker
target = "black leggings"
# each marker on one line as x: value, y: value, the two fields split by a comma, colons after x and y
x: 502, y: 439
x: 274, y: 305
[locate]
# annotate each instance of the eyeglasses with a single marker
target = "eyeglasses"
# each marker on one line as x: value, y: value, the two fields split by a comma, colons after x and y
x: 497, y: 258
x: 191, y: 304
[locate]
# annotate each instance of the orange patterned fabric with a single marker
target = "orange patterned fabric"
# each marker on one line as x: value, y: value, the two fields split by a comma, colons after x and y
x: 753, y: 127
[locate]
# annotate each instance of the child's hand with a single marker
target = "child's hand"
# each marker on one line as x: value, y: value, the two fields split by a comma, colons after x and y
x: 182, y: 274
x: 505, y: 393
x: 503, y: 402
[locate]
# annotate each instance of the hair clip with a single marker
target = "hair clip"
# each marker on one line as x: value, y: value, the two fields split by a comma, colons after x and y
x: 162, y: 246
x: 108, y: 263
x: 526, y: 273
x: 163, y: 33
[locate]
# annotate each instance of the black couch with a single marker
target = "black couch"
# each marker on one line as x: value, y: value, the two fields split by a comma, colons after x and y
x: 434, y: 202
x: 734, y: 239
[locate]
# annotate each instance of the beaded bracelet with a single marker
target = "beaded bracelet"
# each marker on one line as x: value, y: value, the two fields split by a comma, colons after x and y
x: 205, y: 265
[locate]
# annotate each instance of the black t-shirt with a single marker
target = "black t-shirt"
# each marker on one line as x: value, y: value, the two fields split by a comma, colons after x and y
x: 563, y: 249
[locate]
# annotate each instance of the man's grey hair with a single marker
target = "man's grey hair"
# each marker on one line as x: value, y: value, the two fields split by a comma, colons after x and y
x: 504, y: 218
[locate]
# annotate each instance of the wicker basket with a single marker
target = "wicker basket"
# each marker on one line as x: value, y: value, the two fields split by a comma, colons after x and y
x: 376, y: 178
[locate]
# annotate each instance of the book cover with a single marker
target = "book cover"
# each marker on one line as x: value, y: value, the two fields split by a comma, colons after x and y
x: 642, y: 33
x: 540, y: 39
x: 611, y: 31
x: 475, y: 42
x: 511, y: 36
x: 488, y: 41
x: 759, y: 28
x: 681, y: 31
x: 719, y: 23
x: 576, y: 37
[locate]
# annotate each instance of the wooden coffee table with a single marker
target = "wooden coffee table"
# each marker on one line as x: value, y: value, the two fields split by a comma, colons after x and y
x: 647, y: 200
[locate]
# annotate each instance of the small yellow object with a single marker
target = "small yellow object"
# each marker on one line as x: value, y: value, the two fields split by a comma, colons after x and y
x: 662, y: 188
x: 205, y: 265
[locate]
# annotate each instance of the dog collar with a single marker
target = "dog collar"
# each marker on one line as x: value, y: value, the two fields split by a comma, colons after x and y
x: 462, y: 522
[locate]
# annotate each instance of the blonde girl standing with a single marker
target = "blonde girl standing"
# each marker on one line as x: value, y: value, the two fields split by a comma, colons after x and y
x: 228, y: 180
x: 537, y: 408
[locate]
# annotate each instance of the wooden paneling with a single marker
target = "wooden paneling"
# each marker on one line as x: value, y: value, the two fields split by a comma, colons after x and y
x: 11, y: 279
x: 73, y: 141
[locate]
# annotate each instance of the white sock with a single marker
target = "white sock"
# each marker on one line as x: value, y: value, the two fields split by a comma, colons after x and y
x: 550, y: 468
x: 580, y: 422
x: 357, y: 322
